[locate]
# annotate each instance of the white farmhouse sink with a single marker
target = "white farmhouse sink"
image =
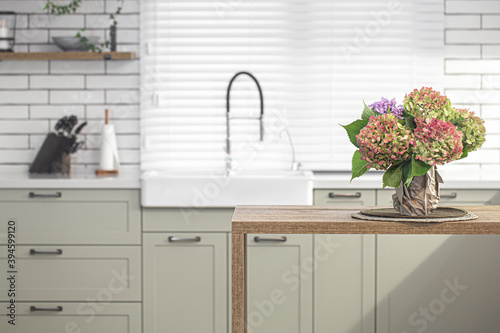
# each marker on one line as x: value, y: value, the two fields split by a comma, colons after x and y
x: 160, y: 189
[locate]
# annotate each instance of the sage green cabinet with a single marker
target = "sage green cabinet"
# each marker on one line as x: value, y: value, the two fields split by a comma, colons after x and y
x: 438, y: 283
x: 460, y: 197
x: 280, y: 283
x: 185, y: 282
x: 344, y: 197
x: 344, y: 284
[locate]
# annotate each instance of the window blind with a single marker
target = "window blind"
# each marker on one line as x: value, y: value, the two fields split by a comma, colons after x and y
x: 316, y: 61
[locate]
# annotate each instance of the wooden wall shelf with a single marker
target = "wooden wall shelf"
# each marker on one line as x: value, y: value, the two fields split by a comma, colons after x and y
x: 67, y: 56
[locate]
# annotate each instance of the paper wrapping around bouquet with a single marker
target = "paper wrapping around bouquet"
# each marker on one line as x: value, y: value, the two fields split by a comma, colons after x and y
x: 421, y: 197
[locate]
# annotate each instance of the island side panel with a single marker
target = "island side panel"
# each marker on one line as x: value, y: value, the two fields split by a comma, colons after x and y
x: 239, y: 283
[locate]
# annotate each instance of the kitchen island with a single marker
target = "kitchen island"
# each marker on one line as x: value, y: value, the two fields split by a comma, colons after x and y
x: 329, y: 220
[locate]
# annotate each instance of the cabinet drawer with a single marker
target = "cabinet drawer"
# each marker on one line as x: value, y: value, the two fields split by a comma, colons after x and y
x: 73, y: 216
x: 187, y: 219
x: 75, y: 273
x: 451, y: 197
x: 351, y: 197
x: 73, y: 317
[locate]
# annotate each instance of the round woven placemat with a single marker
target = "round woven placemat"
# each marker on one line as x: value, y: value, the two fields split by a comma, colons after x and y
x: 441, y: 214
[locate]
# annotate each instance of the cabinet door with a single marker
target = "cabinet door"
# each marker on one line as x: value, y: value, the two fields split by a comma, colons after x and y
x: 344, y: 284
x: 351, y: 197
x: 438, y: 283
x: 280, y: 279
x: 185, y: 286
x: 84, y: 317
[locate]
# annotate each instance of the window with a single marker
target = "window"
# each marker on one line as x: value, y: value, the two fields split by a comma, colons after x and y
x: 316, y: 60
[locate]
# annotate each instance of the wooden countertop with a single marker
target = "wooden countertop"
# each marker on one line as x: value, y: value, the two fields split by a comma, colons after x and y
x: 338, y: 220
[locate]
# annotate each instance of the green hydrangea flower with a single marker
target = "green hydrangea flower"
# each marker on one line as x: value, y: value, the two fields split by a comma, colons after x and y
x: 472, y: 128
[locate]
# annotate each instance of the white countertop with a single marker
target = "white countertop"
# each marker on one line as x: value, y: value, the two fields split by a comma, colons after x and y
x: 128, y: 180
x: 131, y: 180
x: 373, y: 180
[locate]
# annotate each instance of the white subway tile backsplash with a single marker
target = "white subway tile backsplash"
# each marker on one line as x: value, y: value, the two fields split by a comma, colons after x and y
x: 24, y: 97
x: 474, y: 96
x: 76, y: 97
x: 123, y: 141
x: 490, y: 112
x: 122, y: 96
x: 13, y: 112
x: 492, y: 141
x: 24, y: 67
x: 93, y: 156
x: 56, y: 111
x: 472, y: 66
x: 472, y: 36
x: 56, y: 21
x: 462, y: 81
x: 129, y: 111
x: 121, y: 126
x: 462, y: 21
x: 30, y: 36
x: 17, y: 156
x: 127, y: 36
x: 492, y: 126
x: 491, y: 51
x: 472, y: 7
x: 128, y: 21
x: 491, y: 81
x: 76, y: 67
x: 57, y: 81
x: 23, y: 126
x: 24, y: 6
x: 35, y: 94
x: 112, y: 81
x: 14, y: 141
x: 119, y: 67
x: 128, y: 6
x: 491, y: 21
x: 13, y: 82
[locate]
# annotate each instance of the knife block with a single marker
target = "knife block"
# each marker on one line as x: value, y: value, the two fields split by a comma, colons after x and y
x: 53, y: 156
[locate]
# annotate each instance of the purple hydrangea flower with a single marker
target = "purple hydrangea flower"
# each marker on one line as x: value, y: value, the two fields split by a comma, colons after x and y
x: 384, y: 105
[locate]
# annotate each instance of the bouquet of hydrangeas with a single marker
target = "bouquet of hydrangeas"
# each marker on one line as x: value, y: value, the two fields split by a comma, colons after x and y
x: 407, y: 140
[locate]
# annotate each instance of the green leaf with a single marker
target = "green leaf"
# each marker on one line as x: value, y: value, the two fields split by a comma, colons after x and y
x: 393, y: 176
x: 419, y: 168
x: 354, y: 128
x: 465, y: 152
x: 367, y: 112
x: 407, y: 176
x: 410, y: 122
x: 358, y: 165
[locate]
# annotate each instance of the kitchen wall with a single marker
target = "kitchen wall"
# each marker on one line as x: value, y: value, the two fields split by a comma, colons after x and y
x: 472, y: 78
x: 34, y: 94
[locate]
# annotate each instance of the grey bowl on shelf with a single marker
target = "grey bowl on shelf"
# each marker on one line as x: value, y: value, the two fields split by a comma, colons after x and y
x: 74, y: 44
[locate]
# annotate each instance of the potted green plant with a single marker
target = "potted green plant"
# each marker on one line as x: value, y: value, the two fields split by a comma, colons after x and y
x: 80, y: 42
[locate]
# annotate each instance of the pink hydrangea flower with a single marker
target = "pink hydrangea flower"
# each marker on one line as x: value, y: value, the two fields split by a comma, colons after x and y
x: 437, y: 141
x: 383, y: 142
x: 428, y: 103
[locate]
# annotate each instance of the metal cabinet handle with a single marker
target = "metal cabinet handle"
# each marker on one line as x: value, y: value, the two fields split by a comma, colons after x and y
x: 173, y: 239
x: 258, y: 239
x: 453, y: 195
x: 57, y: 309
x: 344, y: 195
x: 33, y: 252
x: 39, y: 195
